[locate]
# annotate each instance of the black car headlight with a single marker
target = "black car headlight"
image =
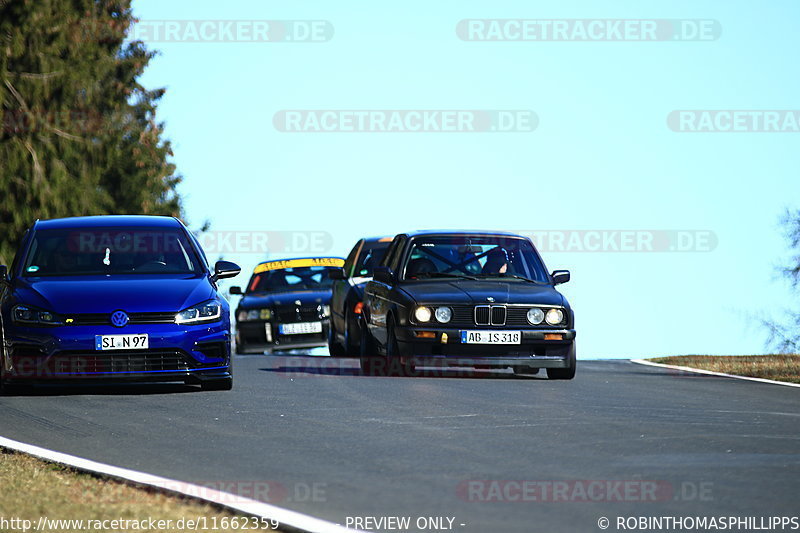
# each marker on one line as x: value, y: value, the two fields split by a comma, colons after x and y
x: 209, y: 311
x: 248, y: 315
x: 443, y: 314
x: 535, y: 316
x: 31, y: 316
x: 554, y: 316
x: 422, y: 314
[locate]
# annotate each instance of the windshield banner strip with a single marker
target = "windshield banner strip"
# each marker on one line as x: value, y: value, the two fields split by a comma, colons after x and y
x: 299, y: 263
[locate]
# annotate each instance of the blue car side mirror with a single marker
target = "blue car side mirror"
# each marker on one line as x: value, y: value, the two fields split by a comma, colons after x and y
x: 226, y: 269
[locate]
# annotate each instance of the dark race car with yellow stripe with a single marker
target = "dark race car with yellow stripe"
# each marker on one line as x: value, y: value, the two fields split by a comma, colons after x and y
x: 286, y: 305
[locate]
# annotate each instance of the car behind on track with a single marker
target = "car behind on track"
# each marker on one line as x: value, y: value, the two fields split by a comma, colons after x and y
x: 286, y: 305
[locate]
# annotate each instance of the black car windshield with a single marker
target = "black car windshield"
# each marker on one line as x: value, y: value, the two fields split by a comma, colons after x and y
x: 370, y: 257
x: 93, y: 251
x: 497, y: 257
x: 291, y: 279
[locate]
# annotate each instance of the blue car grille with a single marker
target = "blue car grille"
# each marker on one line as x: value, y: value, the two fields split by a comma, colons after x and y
x: 31, y: 362
x: 134, y: 361
x: 103, y: 319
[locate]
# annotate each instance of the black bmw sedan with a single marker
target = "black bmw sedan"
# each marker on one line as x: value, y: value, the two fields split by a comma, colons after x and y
x: 475, y: 299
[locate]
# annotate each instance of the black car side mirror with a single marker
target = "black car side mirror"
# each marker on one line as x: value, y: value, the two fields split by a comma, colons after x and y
x: 560, y: 276
x: 384, y: 274
x: 3, y: 273
x: 336, y: 274
x: 226, y: 269
x: 235, y: 290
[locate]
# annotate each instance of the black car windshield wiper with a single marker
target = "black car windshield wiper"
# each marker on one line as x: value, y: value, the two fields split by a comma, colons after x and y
x: 445, y: 275
x: 523, y: 278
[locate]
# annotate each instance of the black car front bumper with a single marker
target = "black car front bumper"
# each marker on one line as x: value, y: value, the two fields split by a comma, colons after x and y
x: 260, y: 336
x: 534, y: 350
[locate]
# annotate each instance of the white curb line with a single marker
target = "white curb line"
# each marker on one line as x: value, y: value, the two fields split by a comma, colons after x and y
x: 288, y: 519
x: 712, y: 373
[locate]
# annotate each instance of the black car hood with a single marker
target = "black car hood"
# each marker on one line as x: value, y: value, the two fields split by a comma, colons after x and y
x: 276, y: 299
x: 477, y: 292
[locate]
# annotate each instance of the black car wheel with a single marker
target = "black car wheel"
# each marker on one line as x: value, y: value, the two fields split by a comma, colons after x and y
x: 369, y: 361
x: 334, y: 348
x: 351, y: 349
x: 395, y: 366
x: 569, y: 371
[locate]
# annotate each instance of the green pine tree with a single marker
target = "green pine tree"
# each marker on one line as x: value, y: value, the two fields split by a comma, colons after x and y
x: 79, y: 133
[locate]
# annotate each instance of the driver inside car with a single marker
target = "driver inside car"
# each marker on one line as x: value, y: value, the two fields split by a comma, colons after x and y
x: 497, y: 262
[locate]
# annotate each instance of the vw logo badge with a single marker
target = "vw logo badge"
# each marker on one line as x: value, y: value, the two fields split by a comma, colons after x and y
x: 119, y: 319
x: 489, y: 299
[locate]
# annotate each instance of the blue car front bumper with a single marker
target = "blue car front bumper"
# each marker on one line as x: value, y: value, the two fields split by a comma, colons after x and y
x: 175, y: 353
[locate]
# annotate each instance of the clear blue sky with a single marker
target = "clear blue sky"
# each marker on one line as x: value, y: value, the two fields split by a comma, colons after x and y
x: 601, y: 158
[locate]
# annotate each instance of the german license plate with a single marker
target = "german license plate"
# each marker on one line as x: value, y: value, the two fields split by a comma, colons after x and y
x: 133, y: 341
x: 300, y: 328
x: 491, y: 337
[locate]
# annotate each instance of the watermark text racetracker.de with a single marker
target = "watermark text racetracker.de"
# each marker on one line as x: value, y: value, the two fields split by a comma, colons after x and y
x: 232, y: 31
x: 266, y: 242
x: 582, y: 490
x: 405, y: 121
x: 622, y: 240
x: 588, y: 30
x: 734, y: 121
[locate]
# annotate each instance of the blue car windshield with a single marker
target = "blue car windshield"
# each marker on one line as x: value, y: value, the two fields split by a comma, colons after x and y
x: 93, y: 251
x: 479, y: 257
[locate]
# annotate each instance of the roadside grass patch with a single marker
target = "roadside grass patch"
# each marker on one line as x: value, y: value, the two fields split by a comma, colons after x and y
x: 32, y: 488
x: 778, y: 367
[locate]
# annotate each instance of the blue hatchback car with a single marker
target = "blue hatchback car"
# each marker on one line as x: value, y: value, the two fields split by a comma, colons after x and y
x: 114, y: 298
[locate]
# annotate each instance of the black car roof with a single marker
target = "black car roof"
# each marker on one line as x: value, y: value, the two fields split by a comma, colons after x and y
x: 451, y: 232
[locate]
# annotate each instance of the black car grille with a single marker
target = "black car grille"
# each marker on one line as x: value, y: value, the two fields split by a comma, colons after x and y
x: 468, y: 315
x: 297, y: 314
x: 490, y: 315
x: 104, y: 319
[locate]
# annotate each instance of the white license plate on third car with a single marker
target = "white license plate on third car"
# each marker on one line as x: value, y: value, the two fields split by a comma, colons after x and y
x: 133, y: 341
x: 300, y: 328
x: 491, y: 337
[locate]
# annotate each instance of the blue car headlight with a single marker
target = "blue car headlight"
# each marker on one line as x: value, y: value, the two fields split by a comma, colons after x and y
x: 209, y: 311
x: 31, y: 316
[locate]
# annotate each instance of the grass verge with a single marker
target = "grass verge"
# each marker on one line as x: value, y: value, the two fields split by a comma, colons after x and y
x: 32, y: 488
x: 775, y: 367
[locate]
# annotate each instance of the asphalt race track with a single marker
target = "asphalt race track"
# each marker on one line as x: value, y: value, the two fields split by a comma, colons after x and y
x: 332, y: 443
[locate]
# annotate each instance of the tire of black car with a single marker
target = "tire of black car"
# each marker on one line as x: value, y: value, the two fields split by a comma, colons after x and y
x: 569, y: 371
x: 334, y: 347
x: 394, y: 363
x: 367, y: 349
x: 350, y: 349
